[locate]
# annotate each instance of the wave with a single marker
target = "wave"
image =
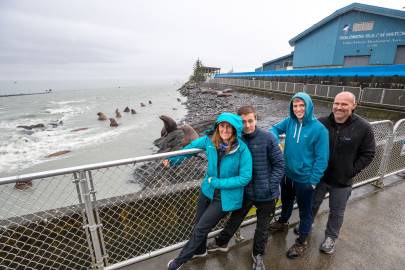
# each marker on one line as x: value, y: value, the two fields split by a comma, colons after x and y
x: 67, y: 109
x: 21, y: 150
x: 68, y: 102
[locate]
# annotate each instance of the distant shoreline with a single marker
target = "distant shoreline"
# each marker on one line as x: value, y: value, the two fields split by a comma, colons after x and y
x: 28, y: 94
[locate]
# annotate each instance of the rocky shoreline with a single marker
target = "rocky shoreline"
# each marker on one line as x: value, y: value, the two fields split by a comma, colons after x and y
x: 203, y: 103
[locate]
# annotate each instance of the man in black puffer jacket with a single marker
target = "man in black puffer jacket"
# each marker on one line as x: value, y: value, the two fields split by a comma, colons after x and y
x: 262, y: 191
x: 351, y: 149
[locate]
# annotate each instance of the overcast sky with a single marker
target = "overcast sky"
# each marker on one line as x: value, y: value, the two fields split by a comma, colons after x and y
x: 150, y: 39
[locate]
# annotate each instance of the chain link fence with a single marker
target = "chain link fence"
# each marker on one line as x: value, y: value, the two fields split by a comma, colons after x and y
x: 105, y: 215
x: 395, y: 162
x: 41, y: 227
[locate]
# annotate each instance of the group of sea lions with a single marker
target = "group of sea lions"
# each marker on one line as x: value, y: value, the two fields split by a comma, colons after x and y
x: 113, y: 122
x: 173, y: 137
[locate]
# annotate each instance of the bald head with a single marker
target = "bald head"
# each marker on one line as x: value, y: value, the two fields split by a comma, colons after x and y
x: 343, y: 106
x: 347, y: 95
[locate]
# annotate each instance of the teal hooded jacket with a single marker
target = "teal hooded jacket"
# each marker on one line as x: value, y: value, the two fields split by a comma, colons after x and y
x: 235, y: 166
x: 306, y: 150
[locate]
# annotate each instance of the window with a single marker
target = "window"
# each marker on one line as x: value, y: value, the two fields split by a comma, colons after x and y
x: 363, y: 26
x: 287, y: 63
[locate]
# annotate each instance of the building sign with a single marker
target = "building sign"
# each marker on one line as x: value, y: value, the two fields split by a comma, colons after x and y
x: 363, y: 26
x: 373, y: 38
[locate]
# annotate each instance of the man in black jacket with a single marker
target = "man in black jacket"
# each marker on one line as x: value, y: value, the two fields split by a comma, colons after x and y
x: 262, y: 191
x: 351, y: 149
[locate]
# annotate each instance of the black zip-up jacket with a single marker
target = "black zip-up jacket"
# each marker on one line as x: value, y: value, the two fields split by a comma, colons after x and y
x: 351, y: 149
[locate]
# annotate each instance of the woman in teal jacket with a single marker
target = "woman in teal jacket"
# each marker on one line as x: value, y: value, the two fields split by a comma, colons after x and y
x: 229, y: 170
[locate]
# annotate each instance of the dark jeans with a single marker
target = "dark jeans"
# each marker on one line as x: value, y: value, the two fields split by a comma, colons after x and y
x: 338, y: 197
x: 303, y: 193
x: 264, y: 213
x: 209, y: 213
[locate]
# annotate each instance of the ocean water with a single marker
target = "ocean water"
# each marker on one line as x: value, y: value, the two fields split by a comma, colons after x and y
x: 70, y: 107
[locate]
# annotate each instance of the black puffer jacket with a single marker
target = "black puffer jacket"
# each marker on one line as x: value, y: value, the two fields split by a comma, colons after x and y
x: 268, y: 166
x: 351, y: 149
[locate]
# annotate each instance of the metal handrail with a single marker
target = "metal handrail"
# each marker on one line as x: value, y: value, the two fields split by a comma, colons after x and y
x: 38, y: 175
x: 100, y: 165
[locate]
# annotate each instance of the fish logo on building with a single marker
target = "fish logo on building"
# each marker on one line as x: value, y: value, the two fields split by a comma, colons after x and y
x: 346, y: 29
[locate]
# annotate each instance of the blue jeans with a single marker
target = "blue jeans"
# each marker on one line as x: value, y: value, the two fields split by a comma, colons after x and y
x: 303, y: 193
x: 209, y: 213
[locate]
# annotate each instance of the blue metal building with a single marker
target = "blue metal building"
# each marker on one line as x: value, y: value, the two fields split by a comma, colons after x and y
x: 283, y: 62
x: 355, y: 35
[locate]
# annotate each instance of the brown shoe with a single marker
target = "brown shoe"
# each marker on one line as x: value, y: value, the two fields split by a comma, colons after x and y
x: 278, y: 225
x: 297, y: 250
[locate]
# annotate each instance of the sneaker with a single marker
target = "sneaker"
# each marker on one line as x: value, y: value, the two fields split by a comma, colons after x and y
x: 174, y: 265
x: 212, y: 246
x: 278, y: 226
x: 258, y: 263
x: 238, y: 237
x: 200, y: 255
x: 297, y: 250
x: 328, y: 246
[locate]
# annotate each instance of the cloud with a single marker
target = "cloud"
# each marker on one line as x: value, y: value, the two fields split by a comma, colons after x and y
x: 30, y: 38
x: 148, y: 39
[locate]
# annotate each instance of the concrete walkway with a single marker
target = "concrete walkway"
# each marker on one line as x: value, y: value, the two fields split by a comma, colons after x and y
x: 372, y: 237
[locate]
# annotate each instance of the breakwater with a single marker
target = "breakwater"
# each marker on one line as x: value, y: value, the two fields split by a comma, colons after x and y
x: 27, y: 94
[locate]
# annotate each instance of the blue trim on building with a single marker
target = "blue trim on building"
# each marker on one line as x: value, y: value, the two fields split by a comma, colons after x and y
x: 399, y: 14
x: 367, y: 71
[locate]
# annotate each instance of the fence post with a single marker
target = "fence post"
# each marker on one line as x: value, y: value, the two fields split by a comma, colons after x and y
x: 384, y: 162
x: 361, y: 93
x: 91, y: 227
x: 382, y: 96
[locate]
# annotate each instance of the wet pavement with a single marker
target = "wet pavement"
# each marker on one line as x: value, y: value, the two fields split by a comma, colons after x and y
x: 372, y: 237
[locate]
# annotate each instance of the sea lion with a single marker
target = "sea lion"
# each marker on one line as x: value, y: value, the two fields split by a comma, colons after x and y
x: 79, y: 129
x: 222, y: 94
x: 21, y: 185
x: 133, y: 111
x: 189, y: 134
x: 113, y: 123
x: 178, y: 99
x: 101, y: 116
x: 169, y: 125
x: 59, y: 153
x: 32, y: 126
x: 126, y: 109
x: 150, y: 101
x: 117, y: 114
x: 142, y: 104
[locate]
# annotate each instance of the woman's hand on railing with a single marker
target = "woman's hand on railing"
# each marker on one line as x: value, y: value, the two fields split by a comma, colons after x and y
x: 166, y: 163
